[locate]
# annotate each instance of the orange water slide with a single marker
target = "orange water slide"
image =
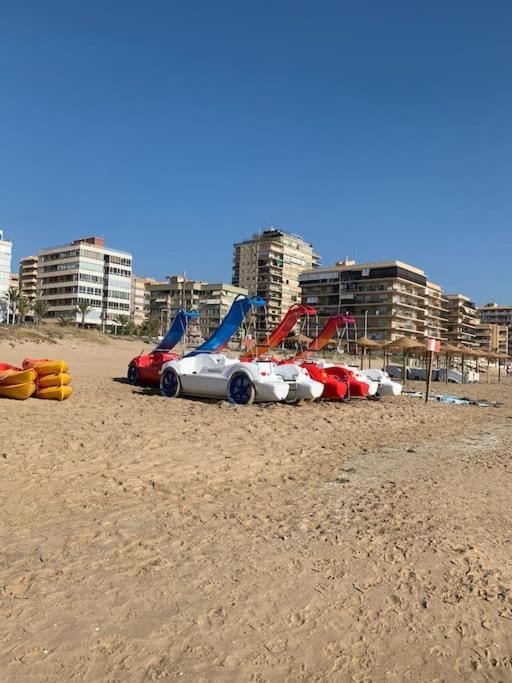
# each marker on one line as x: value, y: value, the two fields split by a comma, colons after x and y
x: 293, y: 314
x: 325, y: 335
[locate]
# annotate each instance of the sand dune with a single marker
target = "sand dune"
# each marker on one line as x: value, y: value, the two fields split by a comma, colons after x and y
x: 148, y: 539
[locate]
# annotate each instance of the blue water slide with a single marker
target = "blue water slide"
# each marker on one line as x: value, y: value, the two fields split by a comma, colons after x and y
x: 177, y: 330
x: 234, y: 318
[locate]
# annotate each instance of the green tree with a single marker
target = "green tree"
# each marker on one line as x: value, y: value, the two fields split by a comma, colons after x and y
x: 83, y: 308
x: 23, y: 308
x: 123, y: 320
x: 40, y: 309
x: 13, y: 299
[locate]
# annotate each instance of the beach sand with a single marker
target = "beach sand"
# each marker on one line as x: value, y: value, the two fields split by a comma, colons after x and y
x: 151, y: 539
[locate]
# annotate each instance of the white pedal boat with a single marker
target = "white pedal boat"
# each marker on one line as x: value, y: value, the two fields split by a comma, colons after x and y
x: 217, y: 376
x: 304, y: 386
x: 385, y: 385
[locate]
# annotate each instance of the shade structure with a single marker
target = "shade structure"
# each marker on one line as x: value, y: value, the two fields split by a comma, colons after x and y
x: 404, y: 345
x: 298, y: 339
x: 368, y: 344
x: 400, y: 345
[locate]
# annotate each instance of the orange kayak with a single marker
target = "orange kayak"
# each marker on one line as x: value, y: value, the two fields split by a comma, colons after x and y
x: 18, y: 391
x: 10, y: 377
x: 45, y: 366
x: 62, y: 379
x: 55, y: 393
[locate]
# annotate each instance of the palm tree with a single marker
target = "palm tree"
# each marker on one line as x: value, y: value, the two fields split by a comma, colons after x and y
x: 64, y: 320
x: 23, y: 308
x: 123, y: 320
x: 13, y: 297
x: 40, y: 309
x: 83, y: 308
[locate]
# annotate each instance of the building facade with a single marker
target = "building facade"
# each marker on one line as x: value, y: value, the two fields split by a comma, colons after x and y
x: 388, y: 298
x: 436, y: 312
x: 140, y: 298
x: 492, y: 337
x: 28, y: 278
x: 212, y: 301
x: 462, y: 320
x: 215, y: 301
x: 5, y: 274
x: 269, y: 265
x: 497, y: 315
x: 85, y: 272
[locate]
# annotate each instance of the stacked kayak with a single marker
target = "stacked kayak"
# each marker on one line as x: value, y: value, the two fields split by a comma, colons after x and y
x: 52, y: 378
x: 17, y: 383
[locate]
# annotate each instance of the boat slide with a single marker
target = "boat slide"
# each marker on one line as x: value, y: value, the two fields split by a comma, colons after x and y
x: 206, y: 373
x: 145, y: 369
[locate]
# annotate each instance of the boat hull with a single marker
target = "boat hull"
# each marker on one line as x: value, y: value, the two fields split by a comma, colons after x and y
x: 19, y: 392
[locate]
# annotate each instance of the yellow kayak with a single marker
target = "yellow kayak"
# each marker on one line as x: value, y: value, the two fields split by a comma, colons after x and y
x: 62, y: 379
x: 55, y: 393
x: 10, y: 377
x: 18, y: 391
x: 45, y: 366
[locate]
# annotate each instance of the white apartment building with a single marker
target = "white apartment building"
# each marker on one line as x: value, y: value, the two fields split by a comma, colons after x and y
x: 85, y: 271
x: 5, y: 274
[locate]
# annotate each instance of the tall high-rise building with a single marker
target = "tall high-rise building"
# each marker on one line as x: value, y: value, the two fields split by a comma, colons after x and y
x: 497, y: 315
x: 28, y: 278
x: 5, y: 274
x: 268, y: 265
x: 462, y: 320
x: 89, y: 273
x: 388, y: 299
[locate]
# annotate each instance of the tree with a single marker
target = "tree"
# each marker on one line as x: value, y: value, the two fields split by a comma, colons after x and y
x: 150, y: 326
x: 64, y: 320
x: 13, y: 298
x: 83, y: 308
x: 23, y: 308
x: 123, y: 320
x: 40, y: 309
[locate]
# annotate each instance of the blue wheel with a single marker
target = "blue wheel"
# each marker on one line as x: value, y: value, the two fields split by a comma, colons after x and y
x: 169, y: 383
x: 133, y: 375
x: 241, y: 389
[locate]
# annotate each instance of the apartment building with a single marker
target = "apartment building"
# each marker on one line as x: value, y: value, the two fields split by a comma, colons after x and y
x: 215, y: 301
x: 140, y: 297
x: 85, y: 272
x: 436, y: 311
x: 166, y: 298
x: 268, y: 265
x: 28, y: 278
x: 461, y: 320
x: 211, y: 300
x: 389, y: 299
x: 5, y: 274
x: 497, y: 315
x: 492, y: 337
x: 14, y: 281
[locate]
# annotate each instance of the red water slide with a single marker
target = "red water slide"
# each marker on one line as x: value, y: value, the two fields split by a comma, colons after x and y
x: 325, y: 335
x: 293, y: 314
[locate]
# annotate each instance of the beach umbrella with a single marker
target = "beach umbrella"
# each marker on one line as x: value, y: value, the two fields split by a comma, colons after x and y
x: 368, y: 344
x: 403, y: 345
x: 466, y: 352
x: 448, y: 350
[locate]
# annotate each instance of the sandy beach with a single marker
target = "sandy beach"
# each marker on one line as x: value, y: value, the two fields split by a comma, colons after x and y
x: 150, y: 539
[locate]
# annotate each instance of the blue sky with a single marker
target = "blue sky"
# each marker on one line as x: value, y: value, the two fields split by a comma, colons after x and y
x: 380, y: 130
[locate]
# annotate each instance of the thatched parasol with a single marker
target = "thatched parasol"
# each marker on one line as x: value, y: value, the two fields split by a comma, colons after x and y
x: 368, y: 344
x: 403, y: 345
x: 298, y: 339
